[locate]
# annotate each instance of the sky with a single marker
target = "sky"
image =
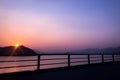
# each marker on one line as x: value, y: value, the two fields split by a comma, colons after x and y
x: 60, y: 25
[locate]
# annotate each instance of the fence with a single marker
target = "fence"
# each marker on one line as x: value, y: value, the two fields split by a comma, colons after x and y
x: 68, y: 60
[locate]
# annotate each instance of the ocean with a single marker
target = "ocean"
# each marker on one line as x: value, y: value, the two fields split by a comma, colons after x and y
x: 51, y: 59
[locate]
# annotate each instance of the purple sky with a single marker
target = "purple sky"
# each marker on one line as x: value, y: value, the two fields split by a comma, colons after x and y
x: 60, y: 25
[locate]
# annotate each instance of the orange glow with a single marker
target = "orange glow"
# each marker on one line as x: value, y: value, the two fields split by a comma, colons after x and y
x: 17, y: 45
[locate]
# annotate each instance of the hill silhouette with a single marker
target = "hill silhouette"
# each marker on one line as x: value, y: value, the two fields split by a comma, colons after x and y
x: 16, y: 51
x: 109, y: 50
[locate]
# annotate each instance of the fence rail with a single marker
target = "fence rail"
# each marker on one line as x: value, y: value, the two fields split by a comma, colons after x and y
x: 69, y: 59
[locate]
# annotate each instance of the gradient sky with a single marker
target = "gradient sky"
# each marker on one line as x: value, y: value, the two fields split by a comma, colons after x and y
x: 60, y: 25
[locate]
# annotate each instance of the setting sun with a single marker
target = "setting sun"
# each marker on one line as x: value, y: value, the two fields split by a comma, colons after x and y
x: 16, y: 45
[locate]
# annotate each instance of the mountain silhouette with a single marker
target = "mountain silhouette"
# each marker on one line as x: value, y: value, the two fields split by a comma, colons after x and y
x: 16, y: 51
x: 109, y: 50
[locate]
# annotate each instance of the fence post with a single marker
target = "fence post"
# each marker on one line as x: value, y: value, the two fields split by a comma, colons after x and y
x: 88, y: 58
x: 68, y: 60
x: 113, y: 57
x: 38, y: 63
x: 102, y: 58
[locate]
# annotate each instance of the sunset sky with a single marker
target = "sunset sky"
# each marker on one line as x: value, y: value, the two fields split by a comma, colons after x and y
x: 60, y: 25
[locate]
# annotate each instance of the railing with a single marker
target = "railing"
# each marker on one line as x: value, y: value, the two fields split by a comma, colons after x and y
x: 67, y: 59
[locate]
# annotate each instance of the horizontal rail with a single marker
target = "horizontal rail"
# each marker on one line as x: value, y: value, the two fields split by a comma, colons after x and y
x: 107, y: 59
x: 82, y: 54
x: 95, y: 57
x: 19, y: 60
x: 78, y: 58
x: 53, y: 59
x: 116, y: 57
x: 53, y: 63
x: 77, y: 61
x: 95, y: 60
x: 17, y: 66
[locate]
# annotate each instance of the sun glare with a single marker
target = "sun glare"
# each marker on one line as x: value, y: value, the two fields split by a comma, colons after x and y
x: 16, y: 45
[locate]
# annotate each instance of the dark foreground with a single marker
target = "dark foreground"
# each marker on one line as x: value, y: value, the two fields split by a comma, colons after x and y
x: 109, y: 71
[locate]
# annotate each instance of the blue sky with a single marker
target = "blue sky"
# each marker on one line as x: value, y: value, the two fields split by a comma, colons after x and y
x: 60, y: 25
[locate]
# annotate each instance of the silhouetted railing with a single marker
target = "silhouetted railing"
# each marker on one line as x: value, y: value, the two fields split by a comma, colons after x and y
x: 68, y: 60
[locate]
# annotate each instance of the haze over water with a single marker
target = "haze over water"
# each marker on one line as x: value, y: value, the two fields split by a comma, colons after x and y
x: 82, y: 60
x: 60, y: 25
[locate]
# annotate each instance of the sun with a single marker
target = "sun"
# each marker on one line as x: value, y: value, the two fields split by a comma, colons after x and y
x: 17, y: 45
